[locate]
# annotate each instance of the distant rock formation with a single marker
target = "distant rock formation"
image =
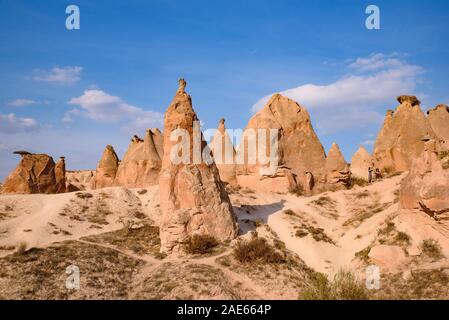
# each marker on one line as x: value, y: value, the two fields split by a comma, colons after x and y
x: 141, y: 164
x: 60, y: 176
x: 360, y: 163
x: 300, y: 152
x: 399, y: 141
x: 193, y: 198
x: 106, y: 169
x: 426, y: 187
x: 336, y: 168
x: 34, y: 174
x: 79, y: 180
x: 439, y: 121
x: 224, y: 154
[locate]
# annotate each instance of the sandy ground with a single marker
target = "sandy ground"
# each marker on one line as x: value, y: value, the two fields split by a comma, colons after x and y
x: 327, y: 232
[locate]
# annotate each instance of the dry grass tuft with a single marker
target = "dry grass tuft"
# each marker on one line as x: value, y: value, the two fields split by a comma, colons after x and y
x: 257, y: 250
x: 201, y: 244
x: 431, y: 249
x: 344, y: 286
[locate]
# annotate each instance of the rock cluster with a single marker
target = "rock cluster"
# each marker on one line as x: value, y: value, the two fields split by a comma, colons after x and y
x: 142, y: 161
x: 36, y: 173
x: 400, y: 140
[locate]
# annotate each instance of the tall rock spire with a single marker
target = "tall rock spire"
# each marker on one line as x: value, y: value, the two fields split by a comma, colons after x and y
x: 193, y: 198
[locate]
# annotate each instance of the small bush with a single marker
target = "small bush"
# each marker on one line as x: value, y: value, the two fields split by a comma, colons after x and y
x: 21, y: 248
x: 201, y: 244
x: 84, y: 195
x: 402, y: 237
x: 432, y: 249
x: 256, y: 250
x: 289, y: 212
x: 363, y: 194
x: 344, y: 286
x: 141, y: 192
x: 297, y: 190
x: 323, y: 200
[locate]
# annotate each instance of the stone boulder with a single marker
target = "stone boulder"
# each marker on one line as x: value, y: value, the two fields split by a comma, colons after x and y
x: 34, y: 174
x: 439, y: 121
x: 426, y: 187
x: 224, y: 154
x: 299, y: 150
x: 141, y: 164
x: 192, y: 196
x: 106, y: 169
x: 360, y: 163
x: 337, y: 169
x: 400, y: 140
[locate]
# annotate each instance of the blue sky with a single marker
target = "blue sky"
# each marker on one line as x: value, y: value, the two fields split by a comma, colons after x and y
x: 72, y: 92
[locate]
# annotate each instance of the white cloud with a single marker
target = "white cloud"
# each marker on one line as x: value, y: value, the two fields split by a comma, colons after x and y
x: 10, y: 123
x: 370, y: 85
x: 368, y: 142
x: 21, y: 102
x: 100, y: 106
x: 65, y: 75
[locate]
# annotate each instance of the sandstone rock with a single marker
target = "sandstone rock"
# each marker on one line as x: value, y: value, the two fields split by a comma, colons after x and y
x: 158, y: 139
x: 399, y: 141
x: 79, y: 180
x: 193, y: 198
x: 34, y: 174
x: 426, y: 187
x: 361, y: 161
x: 141, y: 164
x: 386, y: 256
x: 336, y: 168
x: 439, y: 121
x: 60, y: 175
x: 106, y: 169
x: 224, y: 154
x: 299, y: 149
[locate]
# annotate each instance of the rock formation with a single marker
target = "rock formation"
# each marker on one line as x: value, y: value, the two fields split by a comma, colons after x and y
x: 224, y: 154
x: 79, y: 180
x: 106, y: 169
x: 399, y: 141
x: 439, y: 121
x: 336, y: 168
x: 60, y: 176
x: 34, y: 174
x: 193, y: 198
x: 361, y: 161
x: 299, y: 149
x: 141, y: 164
x: 426, y: 187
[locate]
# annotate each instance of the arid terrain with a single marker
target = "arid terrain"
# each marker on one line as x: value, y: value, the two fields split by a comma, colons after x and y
x: 112, y: 235
x: 311, y: 227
